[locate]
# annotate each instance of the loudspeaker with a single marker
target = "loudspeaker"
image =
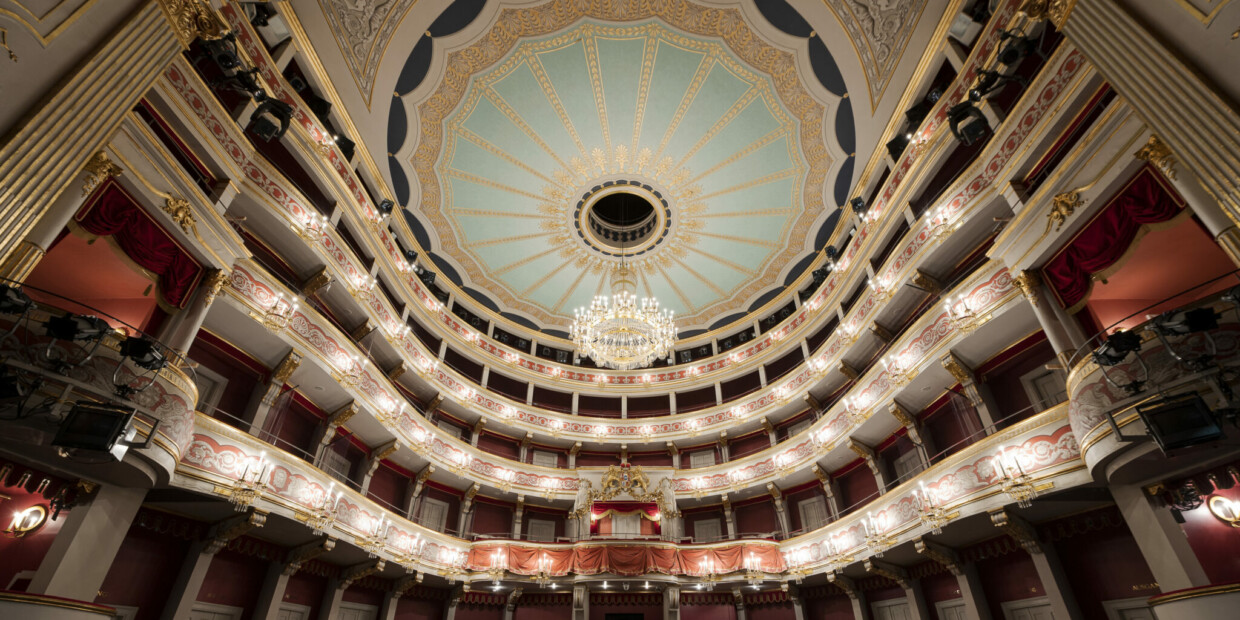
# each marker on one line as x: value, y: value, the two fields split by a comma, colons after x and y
x: 1179, y: 421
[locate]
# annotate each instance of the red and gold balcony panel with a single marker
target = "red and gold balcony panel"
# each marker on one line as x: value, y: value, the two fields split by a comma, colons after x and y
x: 627, y: 558
x: 320, y: 339
x: 274, y: 81
x: 921, y: 345
x: 224, y: 462
x: 271, y: 186
x: 167, y: 395
x: 1093, y: 397
x: 934, y: 125
x: 1033, y: 457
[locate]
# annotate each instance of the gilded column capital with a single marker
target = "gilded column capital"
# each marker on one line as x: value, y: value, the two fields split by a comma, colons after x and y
x: 1157, y: 153
x: 214, y: 283
x: 193, y: 19
x: 1057, y: 11
x: 99, y: 169
x: 1029, y: 283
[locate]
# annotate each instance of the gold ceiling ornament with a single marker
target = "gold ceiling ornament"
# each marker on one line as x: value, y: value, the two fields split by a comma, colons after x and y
x: 1159, y: 155
x: 99, y: 169
x: 1056, y: 11
x: 619, y: 331
x: 193, y: 19
x: 1063, y: 206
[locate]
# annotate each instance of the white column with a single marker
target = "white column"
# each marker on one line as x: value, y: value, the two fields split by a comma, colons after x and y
x: 189, y: 581
x: 82, y: 552
x: 970, y: 584
x: 272, y: 594
x: 1055, y: 582
x: 1161, y: 540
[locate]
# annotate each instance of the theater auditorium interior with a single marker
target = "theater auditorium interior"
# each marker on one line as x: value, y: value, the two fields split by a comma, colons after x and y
x: 619, y: 309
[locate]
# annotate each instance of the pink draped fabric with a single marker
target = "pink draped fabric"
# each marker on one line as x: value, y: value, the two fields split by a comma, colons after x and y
x: 1109, y: 235
x: 620, y: 559
x: 111, y: 212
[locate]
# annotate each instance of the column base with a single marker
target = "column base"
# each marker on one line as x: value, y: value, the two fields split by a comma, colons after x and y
x: 21, y: 261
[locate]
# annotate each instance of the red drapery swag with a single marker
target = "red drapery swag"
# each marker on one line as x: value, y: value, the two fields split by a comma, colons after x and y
x: 599, y: 510
x: 111, y: 212
x: 629, y: 560
x: 1109, y: 236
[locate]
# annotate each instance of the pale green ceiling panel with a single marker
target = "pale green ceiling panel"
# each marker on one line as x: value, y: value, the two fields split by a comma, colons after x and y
x: 771, y: 158
x: 719, y: 92
x: 620, y: 62
x: 489, y: 123
x: 674, y: 68
x: 749, y: 127
x: 744, y: 196
x: 529, y: 103
x: 468, y: 157
x: 468, y: 195
x: 570, y: 80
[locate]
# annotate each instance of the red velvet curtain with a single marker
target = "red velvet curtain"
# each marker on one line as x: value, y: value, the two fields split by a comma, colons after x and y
x: 111, y: 212
x: 1109, y: 235
x: 625, y: 559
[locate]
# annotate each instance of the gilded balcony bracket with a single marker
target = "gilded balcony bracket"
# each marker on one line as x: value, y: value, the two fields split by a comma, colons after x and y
x: 193, y: 19
x: 926, y: 282
x: 865, y: 452
x: 298, y: 556
x: 940, y: 554
x: 844, y: 583
x: 848, y: 371
x: 358, y: 572
x: 890, y: 571
x: 317, y: 282
x: 232, y: 528
x: 1057, y: 11
x: 1019, y: 529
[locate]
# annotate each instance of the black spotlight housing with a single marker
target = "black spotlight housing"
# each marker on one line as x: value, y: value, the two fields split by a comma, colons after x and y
x: 223, y: 52
x: 346, y: 146
x: 1179, y: 421
x: 1116, y: 349
x: 896, y: 146
x: 13, y: 300
x: 271, y: 120
x: 143, y: 353
x: 76, y: 327
x: 967, y: 123
x: 858, y: 206
x: 385, y: 206
x: 263, y: 13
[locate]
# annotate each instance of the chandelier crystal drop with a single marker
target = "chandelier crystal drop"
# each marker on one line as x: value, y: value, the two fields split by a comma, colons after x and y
x: 622, y: 332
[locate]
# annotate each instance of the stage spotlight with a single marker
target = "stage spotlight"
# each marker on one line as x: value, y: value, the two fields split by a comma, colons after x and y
x: 967, y: 123
x: 93, y: 426
x: 346, y: 147
x: 858, y: 207
x: 223, y: 52
x: 385, y: 206
x: 271, y: 119
x: 1116, y: 349
x: 76, y: 327
x: 13, y: 300
x: 263, y: 13
x: 1183, y: 323
x: 1015, y: 47
x: 896, y: 146
x: 143, y: 353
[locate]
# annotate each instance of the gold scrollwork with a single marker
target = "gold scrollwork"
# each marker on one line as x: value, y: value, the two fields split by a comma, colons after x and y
x: 1063, y: 206
x: 1056, y: 11
x: 182, y: 213
x: 193, y: 19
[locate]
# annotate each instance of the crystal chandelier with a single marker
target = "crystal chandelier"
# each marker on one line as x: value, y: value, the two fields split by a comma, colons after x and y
x: 620, y: 332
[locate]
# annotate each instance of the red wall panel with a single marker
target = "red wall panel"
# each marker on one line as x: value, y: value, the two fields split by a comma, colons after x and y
x: 599, y: 612
x: 830, y: 608
x: 856, y: 487
x: 492, y: 519
x: 471, y: 612
x: 937, y: 588
x: 543, y: 612
x: 770, y: 612
x: 500, y: 446
x: 651, y: 459
x: 242, y: 379
x: 744, y: 446
x: 756, y: 518
x: 1105, y: 565
x: 885, y: 594
x: 364, y: 596
x: 1010, y: 577
x: 388, y: 486
x: 143, y: 572
x: 234, y: 580
x: 706, y: 612
x: 305, y: 589
x: 596, y: 459
x: 1004, y: 380
x: 416, y: 609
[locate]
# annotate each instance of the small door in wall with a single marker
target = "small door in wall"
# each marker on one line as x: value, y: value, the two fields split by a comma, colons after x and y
x: 290, y: 611
x: 950, y: 610
x: 894, y: 609
x: 207, y: 611
x: 1028, y: 609
x: 356, y: 611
